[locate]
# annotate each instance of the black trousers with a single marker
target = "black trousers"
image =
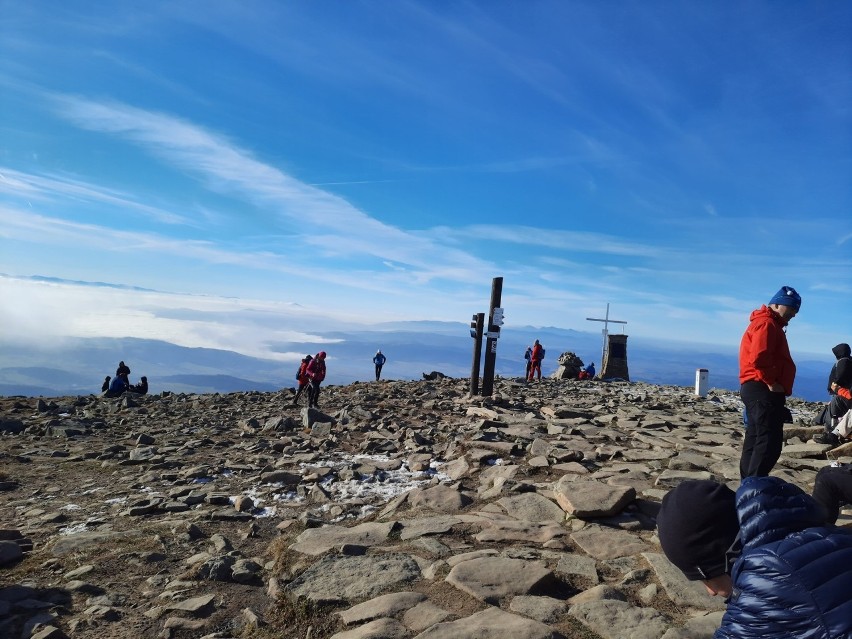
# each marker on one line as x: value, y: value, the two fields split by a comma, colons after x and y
x: 764, y: 434
x: 313, y: 393
x: 378, y: 371
x: 833, y: 487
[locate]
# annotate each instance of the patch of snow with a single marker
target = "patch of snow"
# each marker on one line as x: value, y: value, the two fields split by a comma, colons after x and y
x: 73, y: 529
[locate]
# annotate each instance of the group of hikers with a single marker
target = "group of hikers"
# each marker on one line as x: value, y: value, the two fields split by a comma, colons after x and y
x: 120, y: 384
x: 773, y: 551
x: 533, y: 356
x: 312, y: 371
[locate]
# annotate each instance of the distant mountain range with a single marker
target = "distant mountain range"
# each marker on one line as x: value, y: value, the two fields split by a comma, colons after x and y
x: 412, y: 348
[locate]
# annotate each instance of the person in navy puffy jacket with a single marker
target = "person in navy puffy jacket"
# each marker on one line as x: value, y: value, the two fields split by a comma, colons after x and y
x: 784, y: 573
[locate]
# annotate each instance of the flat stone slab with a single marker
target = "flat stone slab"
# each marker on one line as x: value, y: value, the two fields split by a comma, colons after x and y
x: 489, y: 579
x: 382, y: 606
x: 200, y: 605
x: 701, y: 626
x: 315, y: 541
x: 608, y: 543
x: 378, y: 629
x: 586, y: 499
x: 685, y: 460
x: 491, y: 623
x: 509, y: 530
x: 424, y: 615
x: 803, y: 451
x: 684, y: 593
x: 543, y: 609
x: 336, y: 579
x: 532, y: 507
x: 672, y: 478
x: 613, y: 619
x: 580, y: 565
x: 441, y: 498
x: 427, y: 526
x: 75, y: 543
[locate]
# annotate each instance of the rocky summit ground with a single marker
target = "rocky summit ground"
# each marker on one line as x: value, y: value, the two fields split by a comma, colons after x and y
x: 396, y: 510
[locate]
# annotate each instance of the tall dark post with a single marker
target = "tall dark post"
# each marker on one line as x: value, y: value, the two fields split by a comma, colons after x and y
x: 476, y: 328
x: 491, y: 342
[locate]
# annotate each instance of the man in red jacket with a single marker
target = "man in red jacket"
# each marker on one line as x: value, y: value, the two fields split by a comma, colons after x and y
x: 766, y: 376
x: 535, y: 361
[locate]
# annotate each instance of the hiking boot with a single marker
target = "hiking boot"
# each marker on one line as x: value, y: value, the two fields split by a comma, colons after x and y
x: 827, y: 438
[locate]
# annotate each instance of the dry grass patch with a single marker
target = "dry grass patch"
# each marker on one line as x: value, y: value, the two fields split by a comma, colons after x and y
x: 296, y: 618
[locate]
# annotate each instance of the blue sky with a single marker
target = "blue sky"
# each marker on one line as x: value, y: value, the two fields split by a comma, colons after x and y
x: 232, y: 174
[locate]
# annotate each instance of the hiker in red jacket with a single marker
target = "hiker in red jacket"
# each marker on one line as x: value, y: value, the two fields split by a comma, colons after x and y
x: 535, y: 361
x: 316, y: 373
x: 767, y: 372
x: 304, y: 381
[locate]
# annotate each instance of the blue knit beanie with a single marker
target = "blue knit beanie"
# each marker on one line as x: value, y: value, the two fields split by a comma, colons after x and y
x: 788, y: 297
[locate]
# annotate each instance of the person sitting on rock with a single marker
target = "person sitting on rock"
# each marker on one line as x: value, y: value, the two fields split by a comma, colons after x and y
x: 141, y: 387
x: 832, y: 488
x: 303, y: 380
x: 105, y: 385
x: 123, y: 371
x: 767, y: 550
x: 839, y: 386
x: 117, y: 387
x: 588, y: 372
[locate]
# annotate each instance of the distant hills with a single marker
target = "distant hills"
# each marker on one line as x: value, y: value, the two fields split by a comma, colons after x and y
x: 412, y: 348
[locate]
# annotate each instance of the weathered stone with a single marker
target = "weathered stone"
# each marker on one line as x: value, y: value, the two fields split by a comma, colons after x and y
x: 378, y: 629
x: 315, y: 541
x: 441, y: 498
x: 492, y: 578
x: 201, y: 605
x: 685, y: 593
x: 532, y: 507
x: 544, y: 609
x: 424, y: 615
x: 428, y: 526
x: 587, y: 499
x: 339, y: 579
x: 620, y: 620
x: 384, y: 606
x: 608, y: 543
x: 537, y: 532
x: 491, y: 623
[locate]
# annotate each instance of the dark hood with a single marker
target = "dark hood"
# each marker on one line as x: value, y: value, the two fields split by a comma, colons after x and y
x: 841, y: 350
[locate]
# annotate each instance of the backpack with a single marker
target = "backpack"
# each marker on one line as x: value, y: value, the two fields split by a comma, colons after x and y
x: 542, y: 352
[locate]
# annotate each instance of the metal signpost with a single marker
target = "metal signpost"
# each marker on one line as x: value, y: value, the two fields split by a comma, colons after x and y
x: 495, y: 320
x: 476, y: 328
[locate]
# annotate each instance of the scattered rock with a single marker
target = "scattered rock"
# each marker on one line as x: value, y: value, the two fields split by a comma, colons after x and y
x: 405, y: 509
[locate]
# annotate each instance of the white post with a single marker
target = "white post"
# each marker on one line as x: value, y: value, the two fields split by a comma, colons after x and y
x: 701, y: 376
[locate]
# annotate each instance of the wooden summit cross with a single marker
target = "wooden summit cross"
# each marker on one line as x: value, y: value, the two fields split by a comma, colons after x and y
x: 605, y: 331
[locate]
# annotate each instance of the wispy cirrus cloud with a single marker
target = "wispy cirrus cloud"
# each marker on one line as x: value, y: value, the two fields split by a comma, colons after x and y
x: 227, y: 167
x: 54, y: 188
x: 558, y: 239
